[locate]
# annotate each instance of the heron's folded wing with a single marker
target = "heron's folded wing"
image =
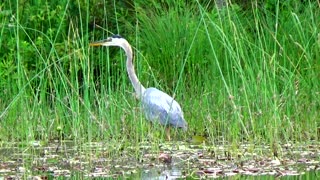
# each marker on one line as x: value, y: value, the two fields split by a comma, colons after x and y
x: 159, y: 105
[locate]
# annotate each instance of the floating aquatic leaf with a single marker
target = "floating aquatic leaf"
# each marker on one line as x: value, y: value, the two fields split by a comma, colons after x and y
x: 165, y: 157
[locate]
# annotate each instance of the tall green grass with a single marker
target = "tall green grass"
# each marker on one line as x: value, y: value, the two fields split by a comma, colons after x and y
x: 245, y: 76
x: 238, y: 76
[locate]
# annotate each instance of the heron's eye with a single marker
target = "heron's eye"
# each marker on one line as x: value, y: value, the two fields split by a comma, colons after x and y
x: 108, y: 39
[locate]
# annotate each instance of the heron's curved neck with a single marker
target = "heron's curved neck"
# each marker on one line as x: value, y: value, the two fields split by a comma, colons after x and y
x: 138, y: 87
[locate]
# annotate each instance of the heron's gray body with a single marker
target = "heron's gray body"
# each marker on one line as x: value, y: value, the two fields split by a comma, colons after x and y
x: 160, y: 107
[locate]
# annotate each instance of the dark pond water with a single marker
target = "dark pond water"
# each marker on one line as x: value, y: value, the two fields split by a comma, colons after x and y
x: 171, y: 160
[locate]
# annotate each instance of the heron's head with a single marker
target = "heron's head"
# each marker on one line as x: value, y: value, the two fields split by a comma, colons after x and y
x: 115, y: 40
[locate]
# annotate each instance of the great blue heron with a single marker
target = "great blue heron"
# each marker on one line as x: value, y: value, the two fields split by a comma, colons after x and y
x: 157, y: 105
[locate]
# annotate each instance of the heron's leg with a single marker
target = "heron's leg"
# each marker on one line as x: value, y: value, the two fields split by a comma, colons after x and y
x: 168, y: 133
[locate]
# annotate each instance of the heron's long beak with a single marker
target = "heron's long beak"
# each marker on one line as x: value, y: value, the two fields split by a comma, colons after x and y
x: 100, y: 43
x: 97, y: 43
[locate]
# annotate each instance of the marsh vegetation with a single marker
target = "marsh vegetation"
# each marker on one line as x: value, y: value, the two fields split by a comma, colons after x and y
x: 246, y: 75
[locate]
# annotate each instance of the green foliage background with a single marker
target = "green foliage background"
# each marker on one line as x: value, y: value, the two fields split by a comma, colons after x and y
x: 247, y: 71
